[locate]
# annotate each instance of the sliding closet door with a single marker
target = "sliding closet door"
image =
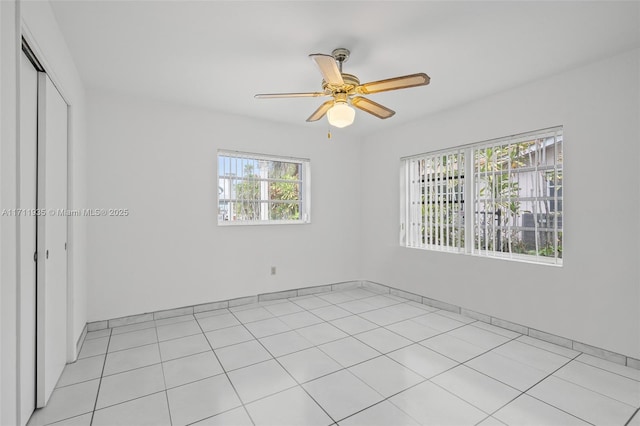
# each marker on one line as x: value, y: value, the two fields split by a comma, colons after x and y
x: 52, y: 238
x: 28, y: 192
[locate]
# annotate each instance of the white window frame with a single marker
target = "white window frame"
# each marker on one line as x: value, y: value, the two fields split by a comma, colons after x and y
x: 228, y: 178
x: 414, y: 182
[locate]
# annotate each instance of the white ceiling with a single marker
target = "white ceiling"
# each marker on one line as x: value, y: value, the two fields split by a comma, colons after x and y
x: 218, y: 54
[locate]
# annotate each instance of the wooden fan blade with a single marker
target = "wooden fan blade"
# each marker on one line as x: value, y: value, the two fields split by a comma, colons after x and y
x: 404, y: 82
x: 289, y: 95
x: 328, y: 68
x: 373, y: 108
x: 321, y: 111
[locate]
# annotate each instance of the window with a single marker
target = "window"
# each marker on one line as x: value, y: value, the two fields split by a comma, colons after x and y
x: 260, y: 189
x: 500, y: 198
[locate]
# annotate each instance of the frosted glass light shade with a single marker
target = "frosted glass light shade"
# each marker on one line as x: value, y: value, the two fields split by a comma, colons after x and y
x: 341, y: 115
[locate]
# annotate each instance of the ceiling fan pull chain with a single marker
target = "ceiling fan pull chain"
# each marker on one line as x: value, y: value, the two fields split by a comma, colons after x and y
x: 328, y: 132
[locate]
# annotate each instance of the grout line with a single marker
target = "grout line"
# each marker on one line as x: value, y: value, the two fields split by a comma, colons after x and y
x: 635, y: 413
x: 604, y: 369
x: 95, y: 405
x: 164, y: 377
x: 331, y: 304
x: 290, y: 375
x: 286, y: 371
x: 226, y: 375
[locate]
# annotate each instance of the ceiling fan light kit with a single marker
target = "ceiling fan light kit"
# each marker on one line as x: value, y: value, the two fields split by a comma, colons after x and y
x: 343, y: 88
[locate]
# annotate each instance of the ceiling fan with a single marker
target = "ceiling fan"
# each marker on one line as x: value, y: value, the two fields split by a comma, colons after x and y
x: 345, y: 90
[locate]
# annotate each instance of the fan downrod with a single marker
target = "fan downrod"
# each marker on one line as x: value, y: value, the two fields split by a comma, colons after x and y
x: 341, y: 55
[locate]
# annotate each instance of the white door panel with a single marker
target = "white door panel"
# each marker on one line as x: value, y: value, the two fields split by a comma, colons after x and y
x: 28, y: 192
x: 52, y: 238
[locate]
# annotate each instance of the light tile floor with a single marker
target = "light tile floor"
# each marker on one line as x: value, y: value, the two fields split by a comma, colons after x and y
x: 352, y: 357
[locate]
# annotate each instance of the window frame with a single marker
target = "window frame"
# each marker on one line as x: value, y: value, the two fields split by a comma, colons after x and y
x: 471, y: 181
x: 304, y: 181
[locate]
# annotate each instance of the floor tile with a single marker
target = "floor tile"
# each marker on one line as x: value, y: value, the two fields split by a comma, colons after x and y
x: 357, y: 306
x: 181, y: 329
x: 438, y: 322
x: 267, y: 327
x: 133, y: 339
x: 190, y: 368
x: 228, y: 336
x: 353, y: 324
x: 366, y: 358
x: 478, y: 337
x: 202, y: 399
x: 380, y: 301
x: 382, y: 414
x: 491, y: 421
x: 174, y: 320
x: 506, y: 370
x: 260, y: 380
x: 383, y: 340
x: 284, y: 308
x: 130, y: 385
x: 300, y: 319
x: 453, y: 347
x: 236, y: 417
x: 386, y: 376
x: 98, y: 333
x: 132, y: 327
x: 82, y: 420
x: 311, y: 302
x: 601, y: 381
x: 216, y: 322
x: 528, y: 411
x: 242, y: 354
x: 255, y: 314
x: 583, y: 403
x: 628, y: 372
x: 149, y: 410
x: 342, y: 394
x: 129, y: 359
x: 285, y: 343
x: 94, y: 347
x: 455, y: 316
x: 309, y: 364
x: 412, y: 330
x: 635, y: 421
x: 476, y: 388
x: 531, y: 356
x: 321, y: 333
x: 292, y: 407
x: 556, y: 349
x: 211, y: 313
x: 82, y: 370
x: 359, y: 293
x: 66, y: 402
x: 421, y: 306
x: 330, y: 312
x: 336, y: 297
x: 421, y: 360
x: 184, y: 346
x: 385, y: 316
x: 497, y: 330
x: 348, y: 351
x: 431, y: 405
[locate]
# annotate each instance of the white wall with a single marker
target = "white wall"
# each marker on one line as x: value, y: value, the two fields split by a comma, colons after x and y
x: 159, y: 161
x: 36, y: 22
x: 595, y: 297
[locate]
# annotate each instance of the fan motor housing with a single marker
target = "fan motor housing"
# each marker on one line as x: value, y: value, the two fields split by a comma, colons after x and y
x: 350, y: 83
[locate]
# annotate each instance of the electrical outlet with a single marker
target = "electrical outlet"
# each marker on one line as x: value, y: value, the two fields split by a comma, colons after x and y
x: 273, y: 270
